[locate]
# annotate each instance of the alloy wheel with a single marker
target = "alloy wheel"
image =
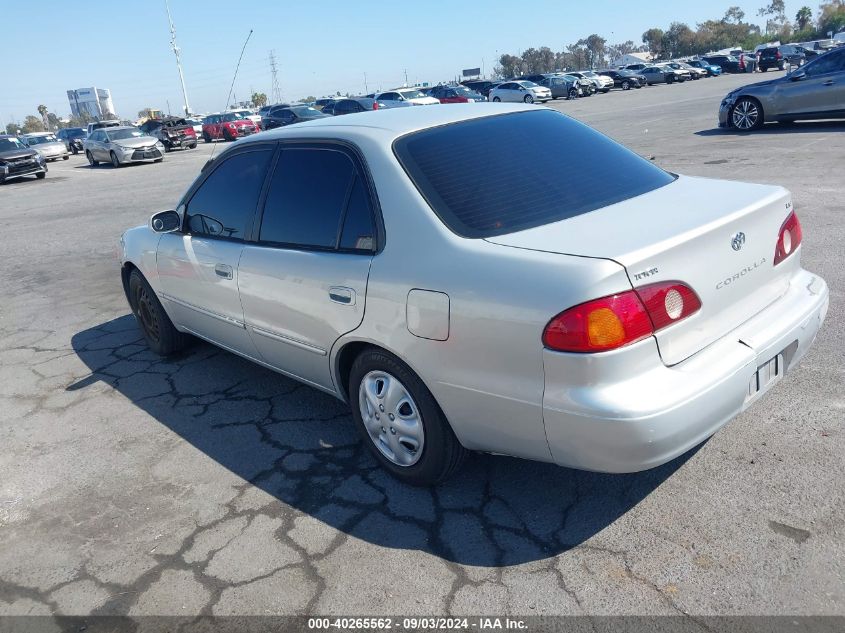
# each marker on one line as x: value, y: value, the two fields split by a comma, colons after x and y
x: 392, y: 418
x: 745, y: 115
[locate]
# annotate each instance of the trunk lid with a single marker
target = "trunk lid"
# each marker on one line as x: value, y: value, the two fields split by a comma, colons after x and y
x: 685, y: 232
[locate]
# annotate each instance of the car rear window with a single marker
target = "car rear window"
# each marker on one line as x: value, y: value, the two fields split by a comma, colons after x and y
x: 512, y: 172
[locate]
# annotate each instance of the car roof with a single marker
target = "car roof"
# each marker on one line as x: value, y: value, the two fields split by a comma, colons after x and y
x: 115, y: 128
x: 388, y: 124
x: 31, y: 134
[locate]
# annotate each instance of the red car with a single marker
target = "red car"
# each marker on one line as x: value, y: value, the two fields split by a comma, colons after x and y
x: 227, y: 126
x: 455, y: 94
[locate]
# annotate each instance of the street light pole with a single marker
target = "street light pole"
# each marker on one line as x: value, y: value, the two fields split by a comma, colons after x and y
x: 177, y: 51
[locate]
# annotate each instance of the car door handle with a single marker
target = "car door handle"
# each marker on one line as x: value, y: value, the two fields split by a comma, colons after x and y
x: 341, y: 294
x: 223, y: 270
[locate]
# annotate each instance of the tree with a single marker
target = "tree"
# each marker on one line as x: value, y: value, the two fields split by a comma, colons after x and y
x: 509, y: 65
x: 595, y: 45
x: 678, y: 40
x: 259, y: 99
x: 653, y: 38
x: 53, y: 121
x: 42, y: 110
x: 831, y: 17
x: 734, y: 15
x: 32, y: 124
x: 803, y: 17
x: 13, y: 128
x: 777, y: 10
x: 615, y: 51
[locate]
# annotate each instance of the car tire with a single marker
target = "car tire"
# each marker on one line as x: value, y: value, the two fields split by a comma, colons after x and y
x: 626, y: 85
x: 496, y: 100
x: 74, y: 150
x: 65, y: 157
x: 438, y: 453
x: 90, y: 158
x: 746, y: 115
x: 605, y: 90
x: 161, y: 335
x: 115, y: 161
x: 206, y: 137
x: 670, y: 79
x: 573, y: 93
x: 41, y: 176
x: 528, y: 99
x: 158, y: 160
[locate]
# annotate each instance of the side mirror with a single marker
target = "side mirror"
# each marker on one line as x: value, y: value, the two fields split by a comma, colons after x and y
x: 165, y: 221
x: 798, y: 75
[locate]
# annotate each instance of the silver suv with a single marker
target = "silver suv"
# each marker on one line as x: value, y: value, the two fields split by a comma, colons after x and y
x: 816, y: 90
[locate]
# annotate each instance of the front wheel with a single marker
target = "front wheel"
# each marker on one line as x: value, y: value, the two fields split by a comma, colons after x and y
x: 90, y: 158
x: 747, y: 115
x: 528, y: 99
x: 496, y: 100
x: 158, y: 330
x: 115, y: 161
x: 206, y: 137
x: 573, y: 93
x: 401, y: 423
x: 626, y: 85
x: 65, y: 157
x: 41, y: 176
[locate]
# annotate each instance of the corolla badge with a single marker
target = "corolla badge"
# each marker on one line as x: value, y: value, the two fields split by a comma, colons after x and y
x: 737, y: 241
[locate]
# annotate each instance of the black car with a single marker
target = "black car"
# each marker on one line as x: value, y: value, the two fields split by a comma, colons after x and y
x: 728, y: 63
x: 17, y: 160
x: 172, y: 131
x: 328, y: 108
x: 72, y: 137
x: 352, y: 105
x: 481, y: 86
x: 779, y: 56
x: 625, y: 79
x: 278, y: 117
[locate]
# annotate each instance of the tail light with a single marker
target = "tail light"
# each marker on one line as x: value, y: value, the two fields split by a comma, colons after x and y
x: 621, y: 319
x: 778, y: 55
x: 789, y: 238
x: 375, y: 105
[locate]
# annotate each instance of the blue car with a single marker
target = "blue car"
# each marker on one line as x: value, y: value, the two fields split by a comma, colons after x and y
x: 712, y: 69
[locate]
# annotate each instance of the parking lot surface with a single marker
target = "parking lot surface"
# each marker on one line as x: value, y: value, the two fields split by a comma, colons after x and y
x: 209, y: 485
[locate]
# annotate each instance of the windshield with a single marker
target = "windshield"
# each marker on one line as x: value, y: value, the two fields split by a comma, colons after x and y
x: 232, y: 116
x: 526, y: 84
x: 463, y: 90
x: 412, y: 94
x: 9, y: 144
x: 482, y: 179
x: 38, y: 140
x: 118, y: 135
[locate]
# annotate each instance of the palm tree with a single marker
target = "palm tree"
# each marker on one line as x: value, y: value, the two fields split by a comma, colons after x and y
x: 42, y: 110
x: 803, y: 17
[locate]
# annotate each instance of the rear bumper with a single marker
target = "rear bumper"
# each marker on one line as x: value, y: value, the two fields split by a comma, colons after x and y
x: 624, y: 411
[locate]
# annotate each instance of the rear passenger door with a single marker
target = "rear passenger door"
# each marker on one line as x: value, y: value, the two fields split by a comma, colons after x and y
x: 303, y: 284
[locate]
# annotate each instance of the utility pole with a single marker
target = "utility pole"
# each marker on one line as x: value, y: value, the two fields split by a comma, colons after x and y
x: 178, y: 52
x: 406, y: 76
x: 366, y: 90
x: 276, y: 93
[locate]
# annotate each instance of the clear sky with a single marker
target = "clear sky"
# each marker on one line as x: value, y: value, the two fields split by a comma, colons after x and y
x: 321, y: 46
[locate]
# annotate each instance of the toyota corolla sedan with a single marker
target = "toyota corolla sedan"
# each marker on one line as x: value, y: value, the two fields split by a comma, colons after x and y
x: 816, y: 90
x: 481, y: 298
x: 46, y: 143
x: 524, y: 91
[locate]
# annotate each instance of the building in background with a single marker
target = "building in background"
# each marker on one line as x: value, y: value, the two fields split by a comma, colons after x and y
x: 95, y: 102
x: 632, y: 58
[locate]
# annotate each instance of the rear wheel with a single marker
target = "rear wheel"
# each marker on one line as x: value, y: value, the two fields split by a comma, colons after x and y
x: 747, y: 114
x: 401, y: 423
x: 573, y: 93
x: 626, y: 85
x: 90, y: 158
x: 158, y: 330
x: 65, y: 157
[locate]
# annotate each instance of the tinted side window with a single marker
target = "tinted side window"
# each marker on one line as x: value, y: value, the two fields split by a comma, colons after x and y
x: 307, y: 195
x: 358, y: 229
x: 828, y: 63
x: 482, y: 179
x: 224, y: 204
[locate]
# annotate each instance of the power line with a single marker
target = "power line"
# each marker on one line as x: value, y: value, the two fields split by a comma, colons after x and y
x: 276, y: 92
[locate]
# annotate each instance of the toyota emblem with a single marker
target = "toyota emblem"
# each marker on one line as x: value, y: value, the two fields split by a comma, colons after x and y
x: 737, y: 241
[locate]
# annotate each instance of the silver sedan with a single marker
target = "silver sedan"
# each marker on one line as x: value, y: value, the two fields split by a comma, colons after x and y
x: 462, y: 290
x: 122, y: 145
x: 46, y: 143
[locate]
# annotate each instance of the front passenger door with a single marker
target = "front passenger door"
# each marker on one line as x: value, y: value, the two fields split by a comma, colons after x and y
x: 304, y: 284
x: 821, y: 89
x: 198, y: 267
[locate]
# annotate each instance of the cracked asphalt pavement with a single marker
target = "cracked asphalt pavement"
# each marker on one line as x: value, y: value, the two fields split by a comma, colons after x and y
x: 207, y: 485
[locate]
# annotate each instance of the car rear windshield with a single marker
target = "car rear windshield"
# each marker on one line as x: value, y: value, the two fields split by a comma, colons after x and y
x: 511, y: 172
